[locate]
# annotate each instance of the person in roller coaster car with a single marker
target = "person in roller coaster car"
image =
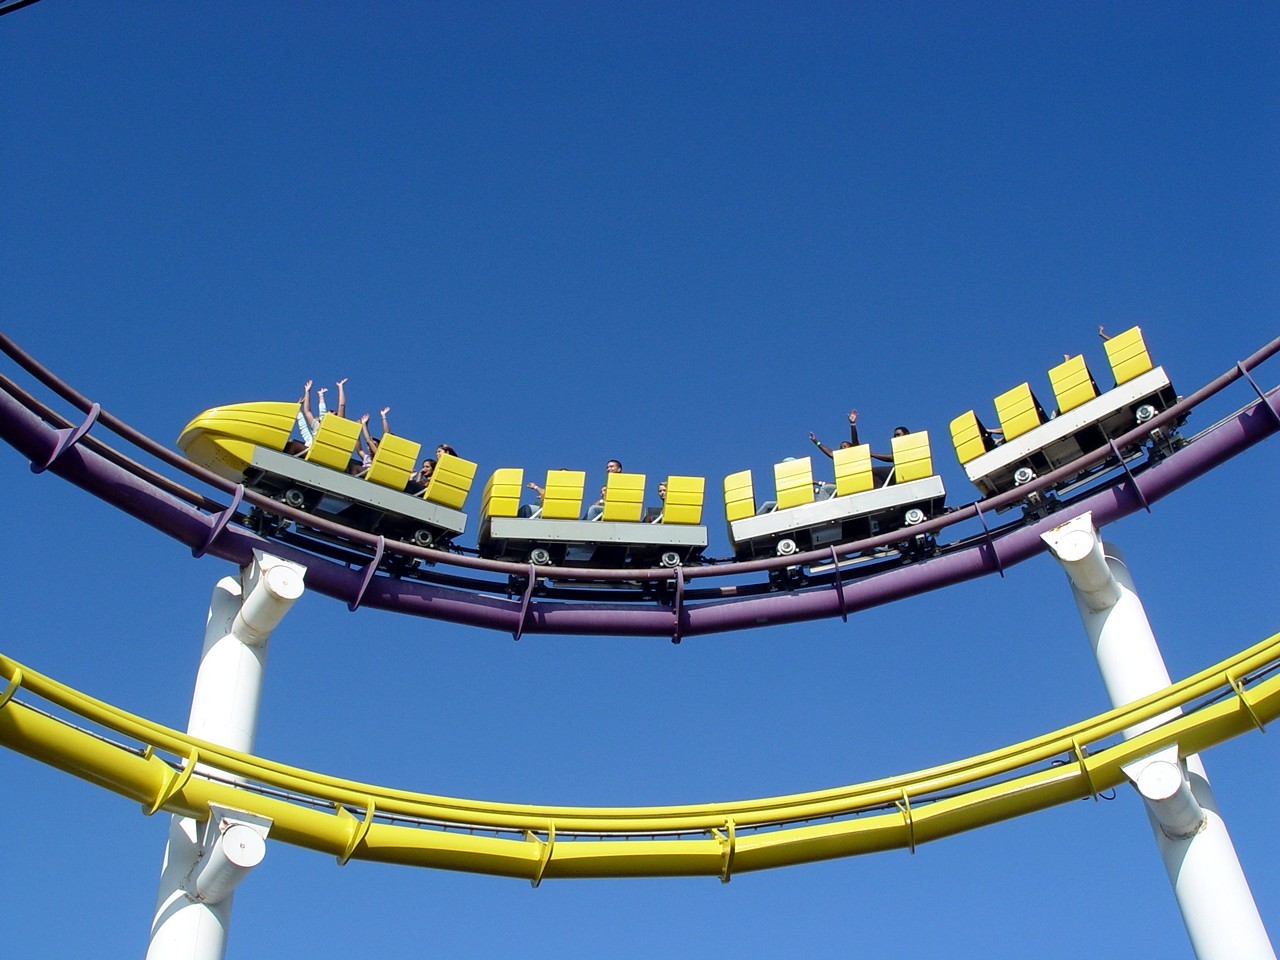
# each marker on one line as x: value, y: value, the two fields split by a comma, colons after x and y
x: 654, y: 514
x: 419, y: 479
x: 366, y: 445
x: 309, y: 422
x: 882, y: 475
x: 596, y: 509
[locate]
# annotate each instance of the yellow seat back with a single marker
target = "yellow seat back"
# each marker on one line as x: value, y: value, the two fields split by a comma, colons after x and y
x: 739, y: 496
x: 1128, y: 355
x: 563, y: 497
x: 333, y: 442
x: 1019, y: 411
x: 969, y: 436
x: 501, y: 495
x: 450, y: 481
x: 393, y: 462
x: 623, y: 497
x: 912, y: 459
x: 853, y: 469
x: 794, y: 482
x: 684, y: 500
x: 1072, y: 383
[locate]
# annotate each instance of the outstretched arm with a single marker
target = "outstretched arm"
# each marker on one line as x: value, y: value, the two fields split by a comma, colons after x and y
x: 813, y: 438
x: 853, y: 427
x: 537, y: 489
x: 306, y: 406
x: 342, y: 397
x: 368, y: 438
x: 386, y: 427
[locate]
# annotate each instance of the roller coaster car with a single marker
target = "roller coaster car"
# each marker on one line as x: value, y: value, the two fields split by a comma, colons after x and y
x: 617, y: 538
x: 245, y: 443
x: 1085, y: 420
x: 856, y: 509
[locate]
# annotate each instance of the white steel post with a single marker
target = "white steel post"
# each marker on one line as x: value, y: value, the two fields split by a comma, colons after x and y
x: 204, y: 860
x: 1217, y: 905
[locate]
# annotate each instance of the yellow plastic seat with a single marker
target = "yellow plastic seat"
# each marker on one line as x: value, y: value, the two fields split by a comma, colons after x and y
x: 333, y: 442
x: 450, y: 481
x: 970, y: 437
x: 912, y: 459
x: 684, y: 500
x: 1019, y: 411
x: 739, y: 496
x: 501, y: 494
x: 393, y: 462
x: 794, y: 482
x: 1072, y: 383
x: 853, y: 469
x: 623, y: 497
x: 1128, y: 355
x: 563, y: 497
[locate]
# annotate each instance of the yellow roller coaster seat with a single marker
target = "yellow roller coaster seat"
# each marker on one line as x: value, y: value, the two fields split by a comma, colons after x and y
x: 739, y: 496
x: 969, y: 436
x: 911, y: 457
x: 853, y: 469
x: 450, y: 481
x: 334, y: 442
x: 1072, y: 383
x: 623, y: 497
x: 563, y: 497
x: 1019, y: 411
x: 501, y: 495
x: 684, y: 500
x: 794, y: 482
x: 1128, y: 355
x: 393, y: 462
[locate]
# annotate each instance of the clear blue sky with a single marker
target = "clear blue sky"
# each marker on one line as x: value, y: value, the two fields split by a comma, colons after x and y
x: 684, y: 237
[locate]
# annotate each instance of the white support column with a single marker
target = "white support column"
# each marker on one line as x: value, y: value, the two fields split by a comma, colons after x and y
x: 203, y: 861
x: 1217, y: 905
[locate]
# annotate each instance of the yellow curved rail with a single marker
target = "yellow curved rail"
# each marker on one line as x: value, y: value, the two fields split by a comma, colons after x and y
x: 352, y: 820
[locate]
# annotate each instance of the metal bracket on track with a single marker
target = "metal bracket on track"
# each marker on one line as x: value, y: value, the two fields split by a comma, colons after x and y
x: 1237, y: 685
x: 986, y: 532
x: 1084, y: 768
x: 174, y: 783
x: 369, y: 571
x: 68, y: 437
x: 1142, y: 497
x: 1257, y: 389
x: 359, y: 829
x: 835, y: 567
x: 219, y: 522
x: 728, y: 847
x: 904, y: 807
x: 14, y: 683
x: 544, y: 854
x: 524, y: 605
x: 678, y: 605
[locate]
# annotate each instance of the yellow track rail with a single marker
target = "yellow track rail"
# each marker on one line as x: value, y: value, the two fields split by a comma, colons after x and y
x: 354, y: 820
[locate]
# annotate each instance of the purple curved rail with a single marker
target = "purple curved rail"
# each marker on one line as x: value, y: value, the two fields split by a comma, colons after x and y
x: 168, y: 507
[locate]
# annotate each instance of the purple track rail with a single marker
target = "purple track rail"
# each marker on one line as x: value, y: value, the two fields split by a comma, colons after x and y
x: 199, y: 522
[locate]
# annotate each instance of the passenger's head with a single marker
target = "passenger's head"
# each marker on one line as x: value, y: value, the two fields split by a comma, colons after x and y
x: 662, y: 490
x: 845, y: 444
x: 613, y: 466
x: 428, y: 468
x: 900, y: 431
x: 445, y: 448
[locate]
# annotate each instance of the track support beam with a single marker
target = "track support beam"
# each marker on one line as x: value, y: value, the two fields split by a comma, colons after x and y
x: 1217, y: 905
x: 205, y: 860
